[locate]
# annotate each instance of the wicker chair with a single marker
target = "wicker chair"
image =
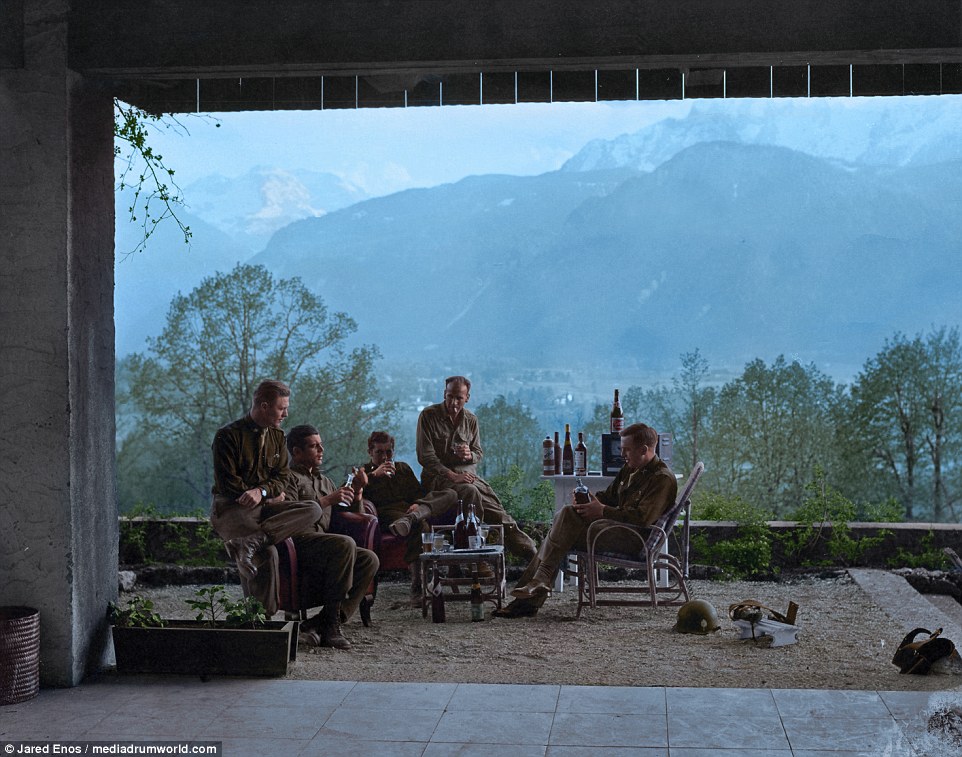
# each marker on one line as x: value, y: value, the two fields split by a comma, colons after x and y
x: 652, y: 557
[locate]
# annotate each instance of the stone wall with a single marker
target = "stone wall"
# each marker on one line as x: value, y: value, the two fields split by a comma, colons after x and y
x: 190, y: 541
x: 58, y: 551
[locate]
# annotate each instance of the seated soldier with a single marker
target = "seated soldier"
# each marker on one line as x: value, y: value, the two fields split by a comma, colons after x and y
x: 401, y: 502
x: 337, y: 571
x: 449, y: 451
x: 249, y: 509
x: 643, y: 489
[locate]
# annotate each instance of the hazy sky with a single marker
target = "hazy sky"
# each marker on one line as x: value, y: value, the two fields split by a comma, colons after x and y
x: 384, y: 150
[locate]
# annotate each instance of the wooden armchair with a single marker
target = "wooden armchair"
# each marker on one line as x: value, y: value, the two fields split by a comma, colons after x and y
x: 666, y: 573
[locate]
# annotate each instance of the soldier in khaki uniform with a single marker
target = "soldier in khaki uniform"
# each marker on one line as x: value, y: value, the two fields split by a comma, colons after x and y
x: 643, y: 489
x: 249, y: 509
x: 334, y: 569
x: 449, y: 450
x: 401, y: 502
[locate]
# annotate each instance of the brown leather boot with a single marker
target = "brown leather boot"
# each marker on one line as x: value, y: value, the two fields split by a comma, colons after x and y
x: 242, y: 550
x: 330, y: 628
x: 407, y: 523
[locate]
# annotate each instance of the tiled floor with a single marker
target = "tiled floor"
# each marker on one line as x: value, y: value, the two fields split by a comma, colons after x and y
x: 284, y: 717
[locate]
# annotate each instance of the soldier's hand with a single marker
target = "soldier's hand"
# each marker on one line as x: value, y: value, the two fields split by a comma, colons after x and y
x: 590, y: 510
x: 360, y: 478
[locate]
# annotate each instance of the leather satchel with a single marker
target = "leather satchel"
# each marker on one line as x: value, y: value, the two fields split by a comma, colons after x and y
x: 916, y: 657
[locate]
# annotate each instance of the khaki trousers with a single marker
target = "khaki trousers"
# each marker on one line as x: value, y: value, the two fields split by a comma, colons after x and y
x: 568, y: 532
x: 334, y: 569
x: 278, y: 521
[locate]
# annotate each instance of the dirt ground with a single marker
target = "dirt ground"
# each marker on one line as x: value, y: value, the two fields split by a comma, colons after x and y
x: 846, y: 642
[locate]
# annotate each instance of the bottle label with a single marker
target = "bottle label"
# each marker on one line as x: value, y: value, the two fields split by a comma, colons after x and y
x: 474, y: 542
x: 547, y: 466
x: 581, y: 463
x: 617, y: 424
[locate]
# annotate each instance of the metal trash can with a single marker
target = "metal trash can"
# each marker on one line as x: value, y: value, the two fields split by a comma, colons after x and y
x: 19, y: 654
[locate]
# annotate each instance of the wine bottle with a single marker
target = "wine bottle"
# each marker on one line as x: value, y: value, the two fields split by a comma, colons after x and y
x: 567, y: 454
x: 557, y: 455
x: 582, y: 496
x: 617, y: 416
x: 437, y: 599
x: 477, y: 601
x: 472, y: 528
x: 547, y: 457
x: 581, y: 456
x: 460, y: 528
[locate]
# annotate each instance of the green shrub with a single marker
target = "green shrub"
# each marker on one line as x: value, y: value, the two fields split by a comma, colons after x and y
x: 139, y: 613
x: 823, y: 517
x: 929, y: 557
x: 746, y: 555
x: 213, y: 603
x: 530, y: 504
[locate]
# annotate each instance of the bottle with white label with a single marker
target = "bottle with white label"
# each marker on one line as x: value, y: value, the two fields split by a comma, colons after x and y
x: 617, y: 416
x: 547, y: 457
x: 581, y: 456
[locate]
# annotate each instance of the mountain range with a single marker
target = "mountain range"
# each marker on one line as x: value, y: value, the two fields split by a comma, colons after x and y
x: 741, y: 234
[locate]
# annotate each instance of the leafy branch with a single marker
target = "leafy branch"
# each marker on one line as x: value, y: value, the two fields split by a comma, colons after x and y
x: 143, y: 170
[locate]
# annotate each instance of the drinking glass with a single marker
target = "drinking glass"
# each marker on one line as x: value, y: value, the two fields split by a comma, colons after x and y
x: 427, y: 542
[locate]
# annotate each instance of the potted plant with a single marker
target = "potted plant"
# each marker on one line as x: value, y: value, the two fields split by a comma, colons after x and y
x: 225, y: 638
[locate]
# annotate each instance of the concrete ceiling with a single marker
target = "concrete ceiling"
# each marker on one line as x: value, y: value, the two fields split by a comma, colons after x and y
x: 224, y: 55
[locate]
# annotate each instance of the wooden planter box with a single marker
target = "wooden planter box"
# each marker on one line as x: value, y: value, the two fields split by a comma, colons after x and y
x: 193, y: 648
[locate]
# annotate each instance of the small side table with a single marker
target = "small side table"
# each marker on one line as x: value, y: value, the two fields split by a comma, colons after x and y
x: 492, y: 587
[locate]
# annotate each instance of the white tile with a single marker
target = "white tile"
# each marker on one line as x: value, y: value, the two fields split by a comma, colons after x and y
x: 881, y: 735
x: 382, y: 725
x: 739, y: 752
x: 328, y: 744
x: 614, y: 700
x: 404, y: 696
x: 904, y: 705
x: 801, y: 703
x: 243, y: 721
x: 703, y: 729
x: 440, y: 749
x: 604, y: 730
x: 721, y: 701
x: 484, y: 697
x: 505, y: 728
x: 261, y: 747
x: 590, y: 751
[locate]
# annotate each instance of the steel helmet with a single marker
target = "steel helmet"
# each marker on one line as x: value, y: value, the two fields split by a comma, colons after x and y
x: 697, y: 616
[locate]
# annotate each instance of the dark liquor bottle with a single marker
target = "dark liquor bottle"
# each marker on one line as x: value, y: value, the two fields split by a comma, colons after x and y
x: 473, y: 528
x: 477, y: 601
x: 460, y: 528
x: 557, y: 455
x: 617, y: 416
x: 581, y: 456
x: 437, y: 599
x: 582, y: 496
x: 568, y: 454
x: 547, y: 457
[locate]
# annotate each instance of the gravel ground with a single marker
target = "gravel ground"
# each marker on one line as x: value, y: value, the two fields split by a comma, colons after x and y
x: 846, y: 642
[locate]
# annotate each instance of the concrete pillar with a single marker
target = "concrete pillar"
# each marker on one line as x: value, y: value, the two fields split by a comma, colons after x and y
x: 58, y: 514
